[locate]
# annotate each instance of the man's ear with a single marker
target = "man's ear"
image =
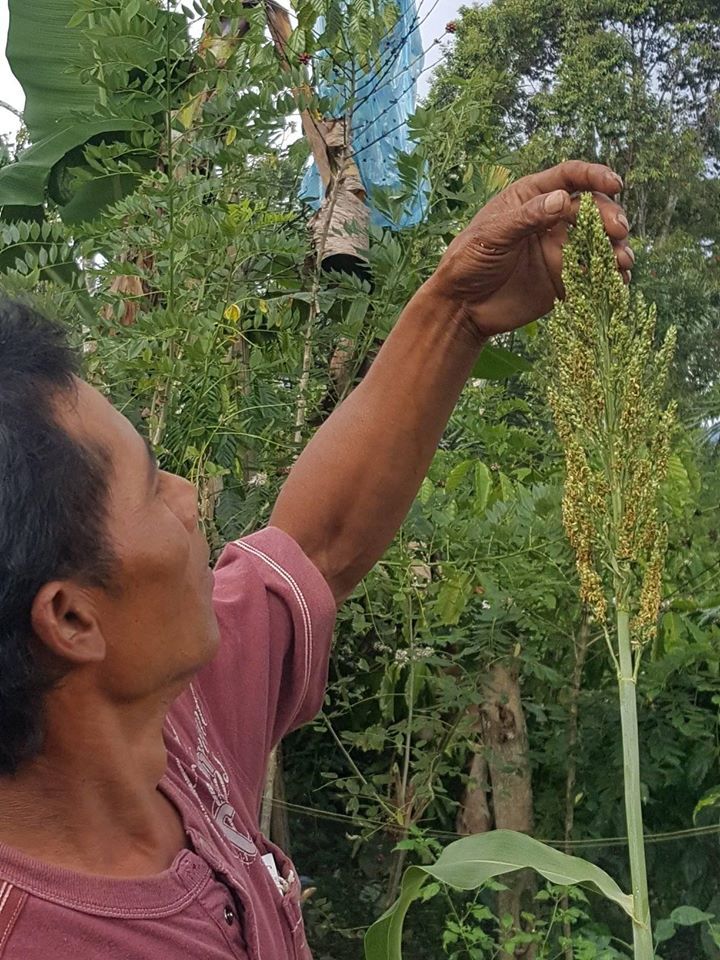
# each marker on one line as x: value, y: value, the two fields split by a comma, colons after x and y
x: 64, y: 619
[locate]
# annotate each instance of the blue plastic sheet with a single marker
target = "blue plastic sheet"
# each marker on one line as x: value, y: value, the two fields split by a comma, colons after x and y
x: 384, y: 100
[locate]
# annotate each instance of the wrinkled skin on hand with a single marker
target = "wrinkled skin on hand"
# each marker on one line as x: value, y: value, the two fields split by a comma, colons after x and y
x: 504, y: 270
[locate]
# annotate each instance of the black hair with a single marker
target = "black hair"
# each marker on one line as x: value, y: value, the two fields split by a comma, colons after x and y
x: 53, y: 498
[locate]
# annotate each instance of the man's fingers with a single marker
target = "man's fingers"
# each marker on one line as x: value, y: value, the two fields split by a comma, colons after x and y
x: 536, y: 216
x: 616, y: 223
x: 624, y: 256
x: 541, y: 214
x: 544, y: 212
x: 617, y: 228
x: 573, y: 176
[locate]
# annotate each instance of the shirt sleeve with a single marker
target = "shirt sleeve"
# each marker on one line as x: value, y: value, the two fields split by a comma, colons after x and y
x: 276, y: 615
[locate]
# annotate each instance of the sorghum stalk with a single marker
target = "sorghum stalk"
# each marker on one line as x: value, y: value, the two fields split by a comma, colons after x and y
x: 642, y: 933
x: 607, y: 402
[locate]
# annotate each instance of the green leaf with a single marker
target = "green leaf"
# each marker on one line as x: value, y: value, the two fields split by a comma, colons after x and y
x: 357, y: 312
x: 710, y: 799
x: 457, y: 475
x: 483, y: 485
x: 680, y: 917
x: 78, y: 18
x: 426, y: 491
x: 41, y: 47
x: 43, y: 42
x: 452, y: 599
x: 664, y: 930
x: 676, y: 487
x: 468, y: 863
x: 689, y: 916
x: 92, y: 197
x: 507, y: 491
x: 497, y: 363
x: 23, y: 182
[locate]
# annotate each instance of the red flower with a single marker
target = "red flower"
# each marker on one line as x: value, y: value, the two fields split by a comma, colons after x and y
x: 451, y: 27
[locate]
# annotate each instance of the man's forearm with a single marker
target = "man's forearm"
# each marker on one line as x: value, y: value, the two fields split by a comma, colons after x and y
x: 350, y: 490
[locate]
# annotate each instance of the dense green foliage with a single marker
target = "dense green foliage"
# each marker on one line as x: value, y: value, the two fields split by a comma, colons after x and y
x: 162, y: 223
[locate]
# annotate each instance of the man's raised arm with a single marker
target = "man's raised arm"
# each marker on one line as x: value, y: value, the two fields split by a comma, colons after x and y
x: 351, y: 488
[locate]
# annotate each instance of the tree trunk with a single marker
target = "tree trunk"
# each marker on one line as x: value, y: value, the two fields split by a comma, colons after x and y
x: 507, y: 749
x: 670, y: 206
x: 498, y: 794
x: 340, y: 229
x: 474, y: 815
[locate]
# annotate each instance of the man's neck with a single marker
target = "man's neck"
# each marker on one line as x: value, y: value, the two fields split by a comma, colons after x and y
x: 90, y: 802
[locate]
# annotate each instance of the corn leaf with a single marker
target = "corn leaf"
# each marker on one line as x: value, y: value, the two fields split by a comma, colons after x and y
x: 472, y: 861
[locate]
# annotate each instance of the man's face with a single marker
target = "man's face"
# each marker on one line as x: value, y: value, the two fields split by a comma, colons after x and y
x: 158, y: 624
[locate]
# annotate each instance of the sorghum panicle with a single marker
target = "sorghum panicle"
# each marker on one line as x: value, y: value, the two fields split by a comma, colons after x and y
x: 607, y: 400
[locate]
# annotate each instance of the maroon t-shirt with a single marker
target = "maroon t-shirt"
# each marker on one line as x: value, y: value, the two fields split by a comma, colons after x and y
x: 220, y: 898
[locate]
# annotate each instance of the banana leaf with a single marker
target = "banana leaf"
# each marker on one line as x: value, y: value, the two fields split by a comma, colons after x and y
x: 41, y: 48
x: 23, y: 183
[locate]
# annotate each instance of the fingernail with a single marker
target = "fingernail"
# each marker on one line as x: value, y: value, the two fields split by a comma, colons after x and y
x: 631, y: 253
x: 629, y: 275
x: 554, y: 202
x: 623, y: 221
x: 619, y: 180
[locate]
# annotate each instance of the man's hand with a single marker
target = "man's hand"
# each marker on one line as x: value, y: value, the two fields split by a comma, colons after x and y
x: 504, y: 270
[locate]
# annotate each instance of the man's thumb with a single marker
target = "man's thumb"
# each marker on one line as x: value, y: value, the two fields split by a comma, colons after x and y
x: 541, y: 213
x: 554, y: 203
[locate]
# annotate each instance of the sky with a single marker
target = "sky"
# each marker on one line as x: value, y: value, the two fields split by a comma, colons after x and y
x: 433, y: 14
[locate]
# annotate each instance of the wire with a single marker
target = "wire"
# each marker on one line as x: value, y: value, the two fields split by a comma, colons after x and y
x: 348, y: 71
x: 394, y: 53
x: 683, y: 587
x: 414, y: 23
x: 393, y: 103
x: 398, y: 126
x: 389, y: 60
x: 389, y: 827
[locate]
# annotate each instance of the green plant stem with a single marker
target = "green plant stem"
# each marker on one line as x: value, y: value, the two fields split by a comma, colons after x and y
x: 642, y: 930
x: 101, y: 91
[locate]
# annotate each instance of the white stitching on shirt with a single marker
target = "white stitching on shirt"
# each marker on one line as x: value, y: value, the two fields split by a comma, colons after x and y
x: 304, y: 609
x: 174, y: 732
x: 13, y: 918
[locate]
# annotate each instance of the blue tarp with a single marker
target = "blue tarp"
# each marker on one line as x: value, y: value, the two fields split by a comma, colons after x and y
x: 384, y: 100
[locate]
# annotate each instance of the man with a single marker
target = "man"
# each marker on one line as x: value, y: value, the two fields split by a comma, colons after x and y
x: 139, y: 700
